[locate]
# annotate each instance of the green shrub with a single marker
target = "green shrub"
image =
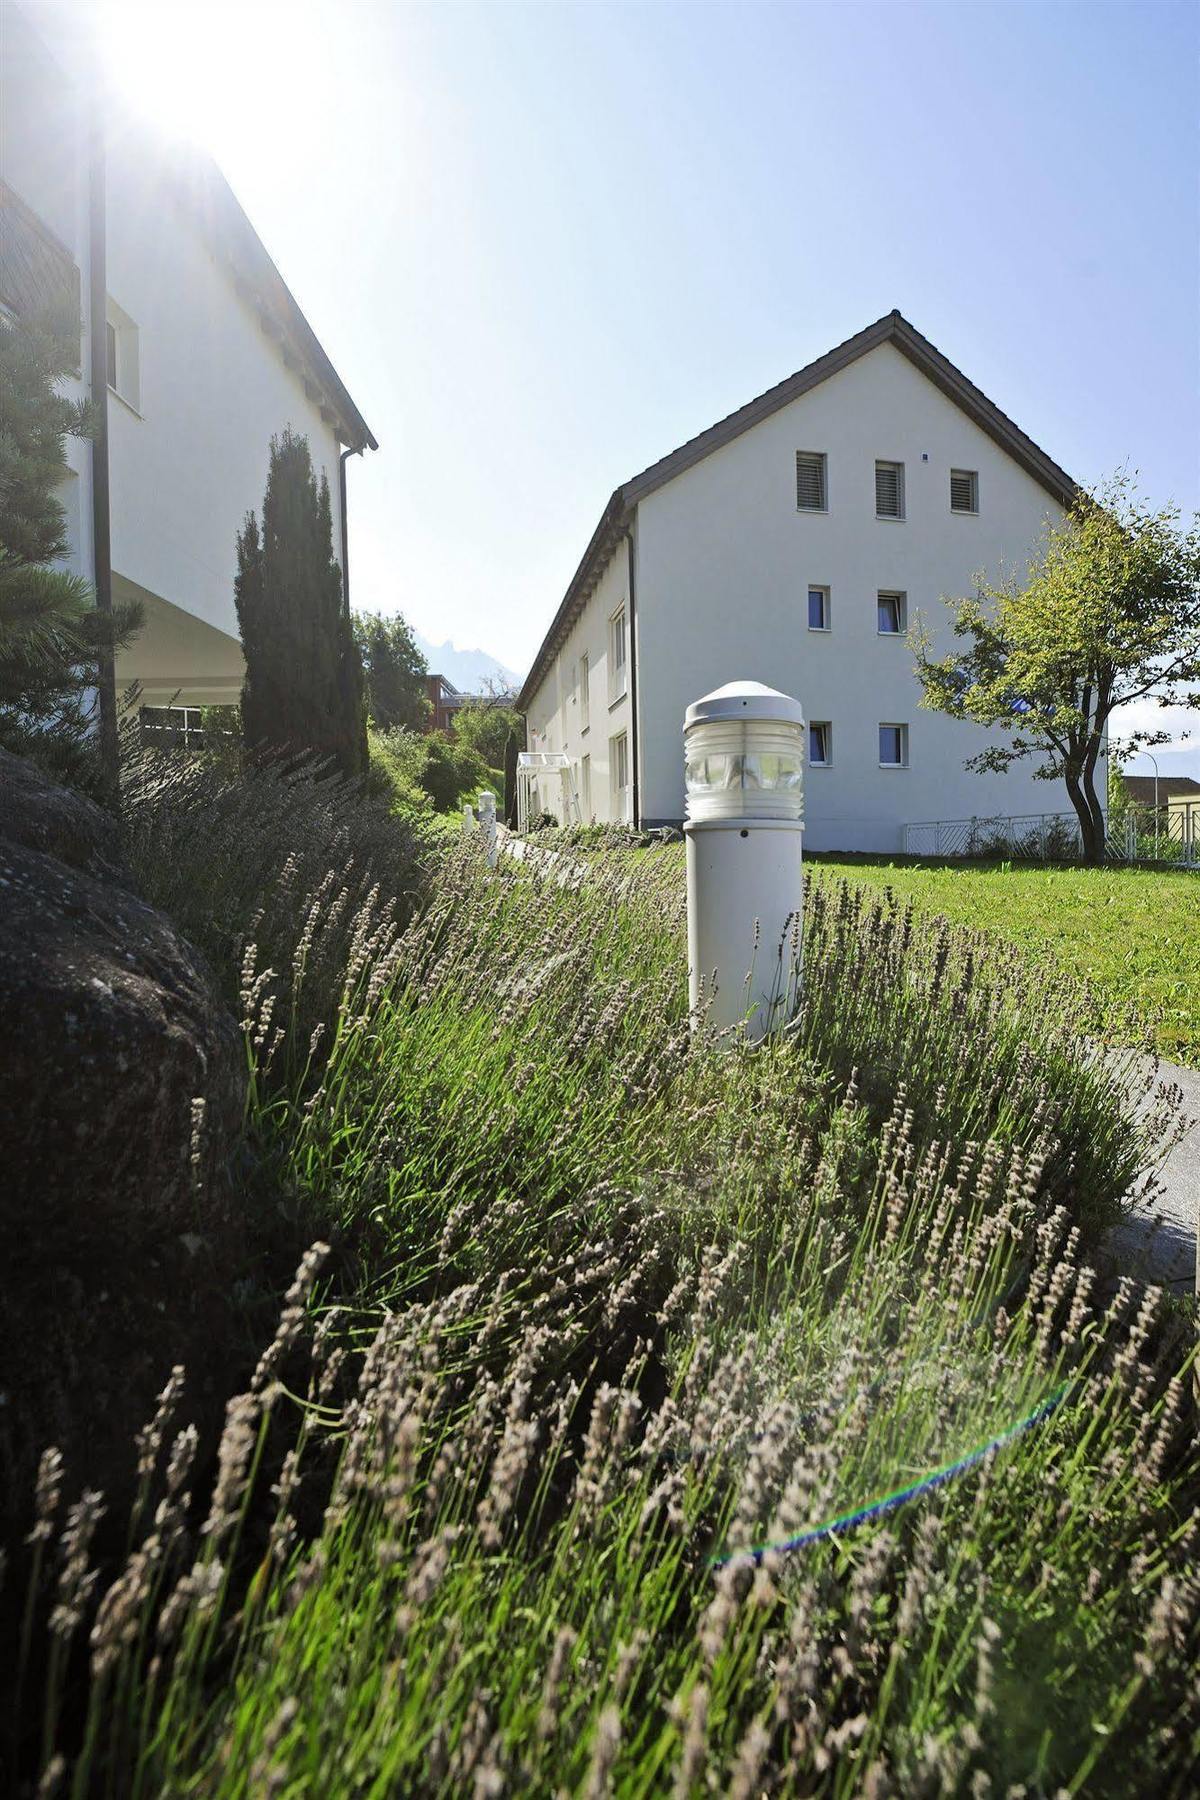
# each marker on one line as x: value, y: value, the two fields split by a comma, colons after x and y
x: 429, y: 770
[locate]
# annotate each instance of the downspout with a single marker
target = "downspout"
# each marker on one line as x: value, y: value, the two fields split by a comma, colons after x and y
x: 352, y: 450
x: 106, y: 683
x: 633, y: 665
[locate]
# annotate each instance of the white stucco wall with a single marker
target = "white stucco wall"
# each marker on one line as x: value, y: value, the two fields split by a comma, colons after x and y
x: 555, y: 716
x: 190, y: 460
x: 725, y: 561
x: 213, y: 390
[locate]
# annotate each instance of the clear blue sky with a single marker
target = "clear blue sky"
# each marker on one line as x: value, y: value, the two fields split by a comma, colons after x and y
x: 544, y: 244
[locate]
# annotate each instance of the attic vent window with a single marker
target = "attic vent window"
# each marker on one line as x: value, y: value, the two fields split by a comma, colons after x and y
x: 964, y: 490
x: 810, y: 480
x: 889, y: 490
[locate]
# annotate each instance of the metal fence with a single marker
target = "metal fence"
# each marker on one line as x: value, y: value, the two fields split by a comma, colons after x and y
x: 1170, y: 836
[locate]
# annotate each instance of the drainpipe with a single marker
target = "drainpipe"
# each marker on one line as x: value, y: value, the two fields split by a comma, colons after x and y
x: 633, y: 665
x: 106, y: 683
x: 351, y: 451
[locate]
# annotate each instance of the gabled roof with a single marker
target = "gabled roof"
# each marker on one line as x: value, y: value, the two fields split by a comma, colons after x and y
x: 892, y: 329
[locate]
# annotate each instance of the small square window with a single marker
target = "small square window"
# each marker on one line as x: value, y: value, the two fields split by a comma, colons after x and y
x: 892, y: 614
x: 889, y: 490
x: 893, y: 746
x: 818, y: 609
x: 820, y: 744
x: 810, y: 481
x: 964, y: 490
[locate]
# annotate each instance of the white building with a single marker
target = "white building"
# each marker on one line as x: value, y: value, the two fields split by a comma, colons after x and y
x: 202, y: 355
x: 795, y: 543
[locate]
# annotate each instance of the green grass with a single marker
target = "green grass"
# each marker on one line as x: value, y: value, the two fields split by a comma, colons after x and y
x: 1133, y: 934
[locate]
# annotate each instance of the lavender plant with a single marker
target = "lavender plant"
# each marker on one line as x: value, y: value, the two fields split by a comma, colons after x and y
x: 616, y: 1317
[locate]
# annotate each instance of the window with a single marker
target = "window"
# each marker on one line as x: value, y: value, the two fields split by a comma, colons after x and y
x: 892, y: 614
x: 585, y: 694
x: 585, y: 789
x: 172, y: 727
x: 618, y: 672
x: 889, y: 490
x: 618, y: 774
x: 122, y: 356
x: 964, y: 490
x: 810, y: 480
x: 893, y: 746
x: 820, y: 744
x: 818, y: 609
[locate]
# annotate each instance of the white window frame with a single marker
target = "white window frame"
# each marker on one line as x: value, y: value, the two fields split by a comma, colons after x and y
x: 125, y: 376
x: 826, y: 728
x: 901, y: 599
x: 618, y: 765
x: 585, y: 788
x: 618, y: 666
x: 822, y: 459
x: 817, y: 587
x: 585, y: 692
x: 902, y: 728
x: 886, y: 462
x: 971, y: 475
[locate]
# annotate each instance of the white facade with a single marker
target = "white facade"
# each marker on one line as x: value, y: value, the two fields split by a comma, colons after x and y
x: 212, y: 358
x: 585, y: 705
x: 724, y: 558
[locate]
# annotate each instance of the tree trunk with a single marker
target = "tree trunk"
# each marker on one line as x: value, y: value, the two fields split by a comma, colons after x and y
x: 1095, y: 810
x: 1092, y: 837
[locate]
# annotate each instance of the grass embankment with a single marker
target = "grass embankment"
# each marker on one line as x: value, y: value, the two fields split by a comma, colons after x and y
x: 616, y: 1306
x: 1133, y: 934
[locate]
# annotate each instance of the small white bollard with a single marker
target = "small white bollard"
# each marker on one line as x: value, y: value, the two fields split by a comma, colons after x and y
x: 744, y: 761
x: 487, y: 826
x: 468, y: 821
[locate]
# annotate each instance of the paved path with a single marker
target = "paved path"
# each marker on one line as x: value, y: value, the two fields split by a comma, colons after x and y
x: 1158, y: 1242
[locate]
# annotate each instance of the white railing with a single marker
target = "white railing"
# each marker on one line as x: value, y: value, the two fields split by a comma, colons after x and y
x: 1045, y: 836
x: 1173, y: 836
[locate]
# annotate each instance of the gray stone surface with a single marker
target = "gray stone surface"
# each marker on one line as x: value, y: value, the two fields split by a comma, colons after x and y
x: 1158, y: 1242
x: 119, y: 1242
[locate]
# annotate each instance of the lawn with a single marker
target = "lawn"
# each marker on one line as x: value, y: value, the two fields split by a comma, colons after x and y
x: 1134, y: 934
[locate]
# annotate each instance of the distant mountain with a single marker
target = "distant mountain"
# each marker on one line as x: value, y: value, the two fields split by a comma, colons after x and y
x: 468, y: 670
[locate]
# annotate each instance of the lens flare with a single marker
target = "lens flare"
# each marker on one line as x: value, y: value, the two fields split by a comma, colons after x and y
x: 885, y: 1503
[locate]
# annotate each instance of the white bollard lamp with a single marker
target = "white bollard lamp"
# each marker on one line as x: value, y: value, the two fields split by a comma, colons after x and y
x: 744, y: 774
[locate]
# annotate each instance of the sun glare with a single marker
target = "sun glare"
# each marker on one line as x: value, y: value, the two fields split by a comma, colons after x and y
x: 215, y: 74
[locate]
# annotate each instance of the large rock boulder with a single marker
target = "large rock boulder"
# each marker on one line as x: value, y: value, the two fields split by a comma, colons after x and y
x: 121, y: 1086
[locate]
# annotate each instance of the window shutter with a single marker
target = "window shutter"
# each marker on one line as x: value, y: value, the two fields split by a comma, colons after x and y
x: 888, y: 490
x: 963, y: 491
x: 810, y: 481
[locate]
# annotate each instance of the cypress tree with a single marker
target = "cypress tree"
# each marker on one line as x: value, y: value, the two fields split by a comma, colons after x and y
x: 303, y: 690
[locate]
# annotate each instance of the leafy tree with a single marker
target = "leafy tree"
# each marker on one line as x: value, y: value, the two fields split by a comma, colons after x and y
x: 1109, y: 613
x: 395, y: 672
x: 486, y: 726
x: 303, y: 690
x: 51, y: 635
